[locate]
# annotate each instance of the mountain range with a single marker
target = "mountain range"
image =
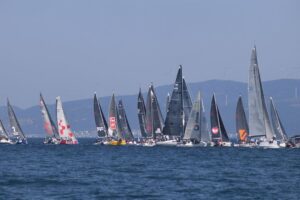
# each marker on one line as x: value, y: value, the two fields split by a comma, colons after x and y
x: 80, y: 112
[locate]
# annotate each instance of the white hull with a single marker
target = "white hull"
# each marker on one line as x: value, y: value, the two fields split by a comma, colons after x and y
x: 149, y: 143
x: 5, y: 141
x: 246, y: 145
x: 190, y: 144
x: 167, y: 143
x: 268, y: 145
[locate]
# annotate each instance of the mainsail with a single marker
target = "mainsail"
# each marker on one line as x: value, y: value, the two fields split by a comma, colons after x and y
x: 174, y: 123
x: 205, y: 136
x: 276, y: 122
x: 142, y: 114
x: 14, y: 123
x: 154, y: 119
x: 168, y: 102
x: 124, y: 125
x: 100, y: 121
x: 3, y: 133
x: 64, y: 127
x: 242, y: 129
x: 49, y: 125
x: 114, y: 125
x: 217, y: 127
x: 194, y: 124
x: 259, y: 122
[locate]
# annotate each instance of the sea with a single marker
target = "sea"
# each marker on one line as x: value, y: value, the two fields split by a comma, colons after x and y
x: 87, y: 171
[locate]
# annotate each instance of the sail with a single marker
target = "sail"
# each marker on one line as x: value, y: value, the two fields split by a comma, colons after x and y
x: 187, y: 102
x: 259, y: 122
x: 100, y: 121
x: 49, y: 125
x: 142, y: 114
x: 217, y: 126
x: 14, y: 123
x: 124, y: 125
x: 64, y: 127
x: 174, y: 119
x: 154, y: 119
x: 205, y: 136
x: 276, y: 122
x: 242, y: 129
x: 113, y: 128
x: 3, y: 133
x: 193, y: 128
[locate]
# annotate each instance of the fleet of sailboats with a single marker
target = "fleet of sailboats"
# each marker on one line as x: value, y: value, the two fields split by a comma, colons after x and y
x: 185, y: 124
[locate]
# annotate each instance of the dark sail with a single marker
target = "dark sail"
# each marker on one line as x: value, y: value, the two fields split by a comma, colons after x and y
x: 174, y: 118
x: 142, y: 114
x: 154, y: 119
x: 49, y: 125
x: 15, y: 126
x: 3, y: 133
x: 187, y: 102
x: 242, y: 129
x: 277, y: 124
x: 114, y: 124
x: 100, y: 121
x: 124, y: 125
x: 217, y: 126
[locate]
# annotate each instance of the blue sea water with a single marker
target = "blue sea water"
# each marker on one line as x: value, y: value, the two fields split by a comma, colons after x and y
x: 86, y: 171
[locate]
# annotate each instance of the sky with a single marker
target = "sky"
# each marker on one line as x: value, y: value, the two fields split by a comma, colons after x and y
x: 74, y: 48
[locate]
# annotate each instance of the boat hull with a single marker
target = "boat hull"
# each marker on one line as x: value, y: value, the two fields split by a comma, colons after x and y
x: 167, y: 143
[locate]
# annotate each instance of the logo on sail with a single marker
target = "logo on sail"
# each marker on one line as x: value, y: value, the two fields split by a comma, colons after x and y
x: 243, y: 134
x: 112, y: 123
x: 215, y: 130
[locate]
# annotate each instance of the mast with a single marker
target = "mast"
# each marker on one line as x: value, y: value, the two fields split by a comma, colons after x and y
x: 242, y: 129
x: 64, y: 127
x: 49, y: 124
x: 100, y: 121
x: 259, y: 122
x: 276, y: 122
x: 142, y: 114
x: 14, y: 123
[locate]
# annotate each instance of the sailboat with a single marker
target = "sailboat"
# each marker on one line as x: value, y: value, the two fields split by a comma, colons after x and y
x: 260, y: 128
x: 114, y: 127
x: 4, y: 138
x: 66, y: 134
x: 124, y: 124
x: 52, y: 136
x: 178, y: 111
x: 15, y: 126
x: 218, y: 131
x: 101, y: 124
x: 280, y: 133
x: 142, y: 114
x: 242, y: 128
x: 196, y: 132
x: 154, y: 119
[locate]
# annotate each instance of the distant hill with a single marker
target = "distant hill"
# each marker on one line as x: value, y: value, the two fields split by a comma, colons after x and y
x: 80, y: 112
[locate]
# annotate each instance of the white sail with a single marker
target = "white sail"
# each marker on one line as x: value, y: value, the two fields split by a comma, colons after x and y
x: 259, y: 122
x: 64, y: 128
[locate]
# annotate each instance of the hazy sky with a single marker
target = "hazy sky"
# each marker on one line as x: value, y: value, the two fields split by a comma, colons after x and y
x: 73, y: 48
